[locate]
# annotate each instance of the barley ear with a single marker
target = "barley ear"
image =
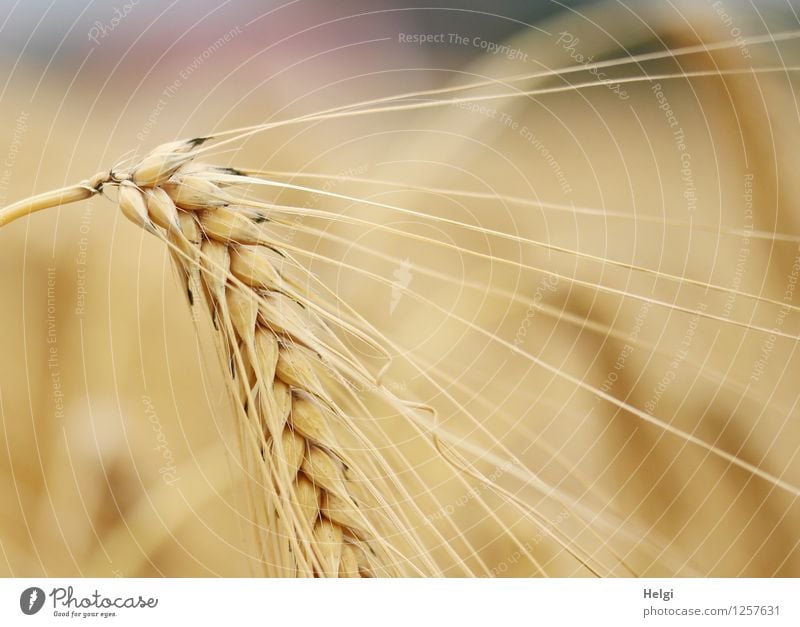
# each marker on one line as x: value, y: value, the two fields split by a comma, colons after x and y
x: 283, y: 365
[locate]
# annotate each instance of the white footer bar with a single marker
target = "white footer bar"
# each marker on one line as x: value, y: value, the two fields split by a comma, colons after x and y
x: 410, y: 603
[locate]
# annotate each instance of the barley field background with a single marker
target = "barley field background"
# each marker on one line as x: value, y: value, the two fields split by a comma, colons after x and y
x: 586, y: 265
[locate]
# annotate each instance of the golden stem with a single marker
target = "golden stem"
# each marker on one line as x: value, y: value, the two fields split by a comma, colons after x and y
x: 63, y: 196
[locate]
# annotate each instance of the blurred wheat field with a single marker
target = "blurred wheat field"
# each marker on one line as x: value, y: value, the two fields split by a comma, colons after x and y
x: 119, y: 447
